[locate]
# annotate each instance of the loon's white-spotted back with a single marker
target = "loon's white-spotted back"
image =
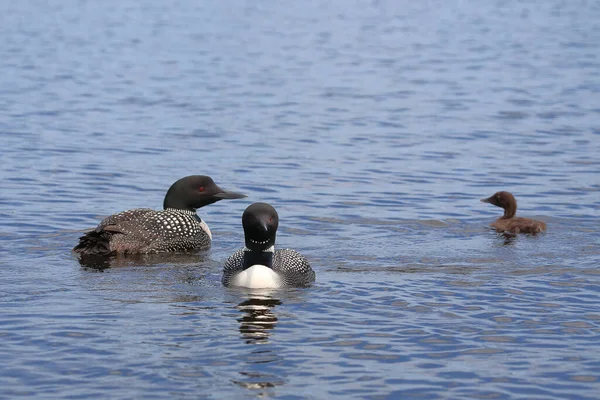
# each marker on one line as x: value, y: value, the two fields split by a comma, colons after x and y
x: 143, y: 230
x: 259, y: 265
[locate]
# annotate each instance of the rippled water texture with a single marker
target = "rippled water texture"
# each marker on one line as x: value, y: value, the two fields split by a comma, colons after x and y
x: 373, y: 127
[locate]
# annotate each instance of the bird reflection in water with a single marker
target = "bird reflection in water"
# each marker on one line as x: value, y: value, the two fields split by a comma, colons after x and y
x: 256, y: 325
x: 256, y: 380
x: 257, y: 320
x: 509, y: 238
x: 100, y: 263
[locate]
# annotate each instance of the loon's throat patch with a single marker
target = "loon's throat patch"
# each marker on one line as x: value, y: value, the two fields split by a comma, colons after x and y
x: 257, y: 258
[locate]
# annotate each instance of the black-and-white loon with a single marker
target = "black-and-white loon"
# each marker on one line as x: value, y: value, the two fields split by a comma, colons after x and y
x: 259, y: 265
x: 175, y: 228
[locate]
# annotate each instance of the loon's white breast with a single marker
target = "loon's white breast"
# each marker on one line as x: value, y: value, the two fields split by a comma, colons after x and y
x: 205, y: 228
x: 257, y: 277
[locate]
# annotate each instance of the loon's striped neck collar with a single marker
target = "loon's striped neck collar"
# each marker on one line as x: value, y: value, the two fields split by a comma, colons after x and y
x: 179, y: 210
x: 269, y: 250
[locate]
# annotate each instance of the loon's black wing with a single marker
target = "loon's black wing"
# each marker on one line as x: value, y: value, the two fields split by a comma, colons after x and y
x: 293, y: 267
x: 233, y: 265
x: 114, y: 220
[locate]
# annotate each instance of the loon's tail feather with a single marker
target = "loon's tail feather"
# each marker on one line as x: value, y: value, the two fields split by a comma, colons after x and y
x: 94, y: 243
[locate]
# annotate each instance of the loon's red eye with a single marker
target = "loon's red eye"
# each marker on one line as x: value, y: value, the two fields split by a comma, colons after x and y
x: 201, y: 189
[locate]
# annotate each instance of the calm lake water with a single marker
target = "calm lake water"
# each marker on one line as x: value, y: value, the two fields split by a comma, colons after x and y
x: 374, y: 127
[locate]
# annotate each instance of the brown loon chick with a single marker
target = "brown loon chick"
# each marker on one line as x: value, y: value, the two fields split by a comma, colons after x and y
x: 508, y: 222
x: 144, y: 230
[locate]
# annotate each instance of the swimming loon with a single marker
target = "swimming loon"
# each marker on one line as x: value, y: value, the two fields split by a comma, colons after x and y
x: 144, y: 230
x: 508, y: 222
x: 259, y: 265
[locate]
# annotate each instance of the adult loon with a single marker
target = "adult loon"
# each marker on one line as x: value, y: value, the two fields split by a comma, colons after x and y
x: 259, y: 265
x: 508, y: 222
x: 144, y: 230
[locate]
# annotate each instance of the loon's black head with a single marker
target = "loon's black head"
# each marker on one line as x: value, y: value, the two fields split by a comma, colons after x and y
x: 196, y: 191
x: 260, y: 222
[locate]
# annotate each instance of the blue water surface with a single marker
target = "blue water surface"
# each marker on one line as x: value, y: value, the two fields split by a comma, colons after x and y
x: 374, y: 128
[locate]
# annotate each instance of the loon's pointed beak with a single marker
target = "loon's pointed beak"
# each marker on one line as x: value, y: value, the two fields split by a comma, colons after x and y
x: 488, y: 200
x: 263, y: 224
x: 226, y: 194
